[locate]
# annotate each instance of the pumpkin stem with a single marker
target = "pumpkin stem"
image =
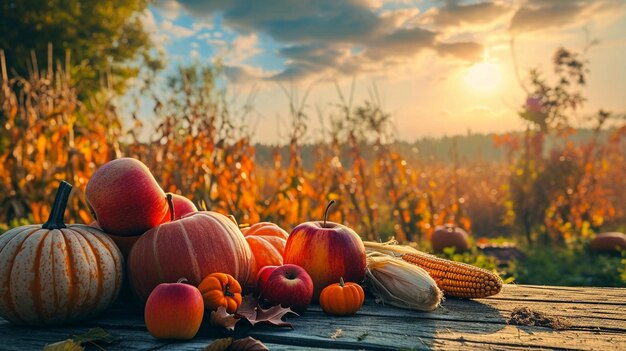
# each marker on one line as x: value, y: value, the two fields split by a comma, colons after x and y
x: 341, y: 282
x: 326, y: 212
x: 227, y: 291
x: 170, y: 204
x: 55, y: 220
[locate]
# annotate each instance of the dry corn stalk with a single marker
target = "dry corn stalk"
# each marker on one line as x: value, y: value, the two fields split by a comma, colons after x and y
x: 454, y: 278
x: 398, y: 283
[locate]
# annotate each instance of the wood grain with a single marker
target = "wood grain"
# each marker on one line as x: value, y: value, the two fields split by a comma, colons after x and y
x: 597, y: 317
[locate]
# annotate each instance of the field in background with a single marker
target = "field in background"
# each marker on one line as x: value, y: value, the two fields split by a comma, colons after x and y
x: 549, y: 199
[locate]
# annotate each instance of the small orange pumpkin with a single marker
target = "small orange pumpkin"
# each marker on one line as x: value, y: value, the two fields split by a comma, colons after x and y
x: 220, y: 289
x: 267, y: 242
x: 342, y: 298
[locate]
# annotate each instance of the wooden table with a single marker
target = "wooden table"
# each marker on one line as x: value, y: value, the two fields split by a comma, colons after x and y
x: 597, y: 317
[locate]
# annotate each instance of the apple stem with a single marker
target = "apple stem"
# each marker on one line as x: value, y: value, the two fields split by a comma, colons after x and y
x: 341, y: 282
x: 170, y: 203
x: 55, y: 220
x: 326, y: 212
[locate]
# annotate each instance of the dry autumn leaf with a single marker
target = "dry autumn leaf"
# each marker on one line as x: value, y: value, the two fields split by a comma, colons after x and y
x: 228, y: 344
x: 65, y: 345
x: 219, y: 345
x: 221, y: 318
x: 247, y: 344
x: 253, y: 313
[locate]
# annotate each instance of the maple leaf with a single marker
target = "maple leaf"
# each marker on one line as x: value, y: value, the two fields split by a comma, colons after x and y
x: 253, y: 313
x: 221, y: 318
x: 247, y: 308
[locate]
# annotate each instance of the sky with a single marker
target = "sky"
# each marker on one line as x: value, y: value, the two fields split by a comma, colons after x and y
x: 441, y: 68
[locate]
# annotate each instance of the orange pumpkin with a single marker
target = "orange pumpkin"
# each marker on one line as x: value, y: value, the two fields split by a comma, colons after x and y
x: 220, y: 289
x: 192, y: 247
x: 267, y: 242
x: 53, y: 274
x: 342, y: 298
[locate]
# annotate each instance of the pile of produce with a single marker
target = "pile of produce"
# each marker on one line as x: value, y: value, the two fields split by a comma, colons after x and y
x: 182, y: 262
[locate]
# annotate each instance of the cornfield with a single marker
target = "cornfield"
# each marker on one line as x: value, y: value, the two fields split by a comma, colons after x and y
x: 201, y: 148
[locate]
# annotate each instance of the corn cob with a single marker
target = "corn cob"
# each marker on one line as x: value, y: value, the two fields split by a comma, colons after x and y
x: 396, y: 282
x: 453, y: 278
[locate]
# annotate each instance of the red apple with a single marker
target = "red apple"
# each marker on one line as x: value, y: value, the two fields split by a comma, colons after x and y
x: 449, y: 235
x: 182, y: 206
x: 174, y: 311
x: 262, y: 276
x: 327, y: 251
x: 289, y: 286
x: 125, y: 198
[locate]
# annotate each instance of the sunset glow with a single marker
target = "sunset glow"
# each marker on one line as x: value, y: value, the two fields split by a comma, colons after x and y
x: 484, y: 77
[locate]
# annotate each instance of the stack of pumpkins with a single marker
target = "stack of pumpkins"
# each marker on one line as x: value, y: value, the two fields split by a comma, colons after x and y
x: 54, y: 274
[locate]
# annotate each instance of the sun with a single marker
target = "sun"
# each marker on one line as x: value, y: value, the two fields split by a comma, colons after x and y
x: 484, y: 76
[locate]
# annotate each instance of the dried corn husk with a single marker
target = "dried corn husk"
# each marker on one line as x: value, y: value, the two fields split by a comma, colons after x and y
x: 390, y: 247
x: 401, y: 284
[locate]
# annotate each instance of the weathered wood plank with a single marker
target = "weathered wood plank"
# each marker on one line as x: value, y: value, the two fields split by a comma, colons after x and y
x: 597, y: 315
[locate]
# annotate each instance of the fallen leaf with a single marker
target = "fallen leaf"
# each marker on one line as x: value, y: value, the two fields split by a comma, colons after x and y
x: 273, y: 315
x: 247, y: 344
x: 336, y: 334
x: 65, y: 345
x: 219, y: 345
x: 247, y: 308
x: 221, y: 318
x: 94, y: 335
x: 253, y: 313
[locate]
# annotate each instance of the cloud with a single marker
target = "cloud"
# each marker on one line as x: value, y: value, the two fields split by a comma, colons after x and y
x: 175, y: 30
x: 169, y: 9
x: 150, y: 26
x: 467, y: 51
x: 243, y: 48
x: 539, y: 15
x: 454, y: 14
x: 244, y: 73
x: 329, y: 37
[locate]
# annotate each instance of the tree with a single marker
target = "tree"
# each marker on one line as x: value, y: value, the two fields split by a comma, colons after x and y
x: 101, y: 39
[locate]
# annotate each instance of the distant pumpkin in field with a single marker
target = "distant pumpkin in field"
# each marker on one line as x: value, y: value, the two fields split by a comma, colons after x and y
x: 609, y: 242
x: 449, y: 235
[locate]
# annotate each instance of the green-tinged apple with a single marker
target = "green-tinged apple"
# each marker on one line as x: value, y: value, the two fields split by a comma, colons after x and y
x: 262, y: 277
x: 125, y: 198
x: 289, y: 286
x: 174, y: 311
x: 327, y: 251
